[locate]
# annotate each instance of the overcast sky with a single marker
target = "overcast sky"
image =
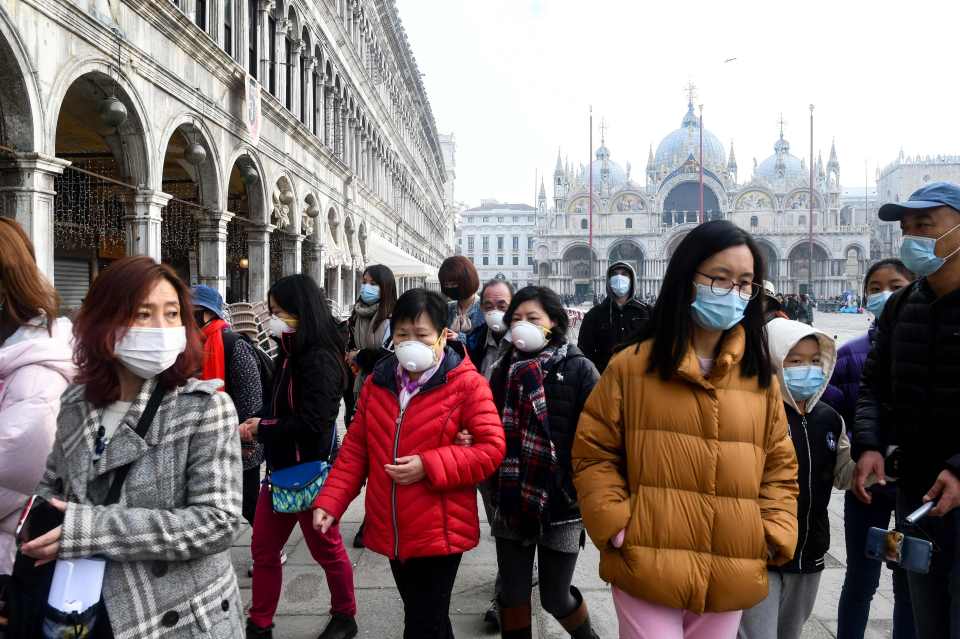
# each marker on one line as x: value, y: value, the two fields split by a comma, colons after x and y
x: 514, y: 79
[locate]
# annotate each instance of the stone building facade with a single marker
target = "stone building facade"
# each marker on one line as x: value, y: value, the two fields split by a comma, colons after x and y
x: 642, y: 223
x: 239, y: 140
x: 499, y: 238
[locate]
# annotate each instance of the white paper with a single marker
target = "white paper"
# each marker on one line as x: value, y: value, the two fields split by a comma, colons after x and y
x: 76, y: 584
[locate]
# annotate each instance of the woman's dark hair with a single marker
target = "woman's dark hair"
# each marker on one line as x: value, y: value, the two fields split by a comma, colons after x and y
x: 890, y: 262
x: 552, y: 306
x: 300, y: 296
x: 382, y: 276
x: 109, y: 309
x: 671, y: 324
x: 461, y: 270
x: 418, y: 301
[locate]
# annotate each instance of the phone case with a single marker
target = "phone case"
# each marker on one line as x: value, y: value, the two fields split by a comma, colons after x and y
x: 910, y: 553
x: 38, y: 518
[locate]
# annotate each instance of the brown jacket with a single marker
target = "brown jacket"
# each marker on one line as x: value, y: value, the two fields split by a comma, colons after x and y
x: 701, y: 473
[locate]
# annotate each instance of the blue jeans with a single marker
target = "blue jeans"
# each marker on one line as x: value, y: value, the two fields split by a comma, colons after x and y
x: 863, y: 574
x: 935, y: 595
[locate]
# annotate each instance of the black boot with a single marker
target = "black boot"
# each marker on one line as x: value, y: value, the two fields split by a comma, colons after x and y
x: 340, y: 627
x: 491, y: 618
x: 256, y: 632
x: 577, y: 623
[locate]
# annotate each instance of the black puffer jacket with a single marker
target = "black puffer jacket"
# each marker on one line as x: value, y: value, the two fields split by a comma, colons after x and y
x: 567, y: 385
x: 299, y: 415
x: 816, y: 437
x: 910, y: 393
x: 607, y: 324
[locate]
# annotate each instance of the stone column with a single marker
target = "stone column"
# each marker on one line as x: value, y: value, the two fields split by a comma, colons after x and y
x: 296, y: 46
x: 258, y: 254
x: 263, y: 44
x: 283, y: 25
x: 26, y: 195
x: 338, y: 281
x: 313, y: 260
x: 212, y: 240
x: 328, y: 107
x: 308, y: 62
x: 143, y: 224
x: 290, y: 250
x: 337, y: 126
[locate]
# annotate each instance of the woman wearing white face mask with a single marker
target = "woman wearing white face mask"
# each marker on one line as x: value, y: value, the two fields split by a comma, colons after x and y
x: 421, y: 502
x: 540, y: 386
x: 157, y: 497
x: 862, y: 575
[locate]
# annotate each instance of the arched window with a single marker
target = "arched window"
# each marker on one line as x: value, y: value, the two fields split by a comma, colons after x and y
x: 754, y: 221
x: 272, y: 54
x: 583, y: 223
x: 316, y: 98
x: 288, y: 66
x: 228, y: 27
x: 253, y: 32
x: 629, y: 222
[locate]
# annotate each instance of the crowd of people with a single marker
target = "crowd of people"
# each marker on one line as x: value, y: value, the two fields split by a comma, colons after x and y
x: 696, y: 441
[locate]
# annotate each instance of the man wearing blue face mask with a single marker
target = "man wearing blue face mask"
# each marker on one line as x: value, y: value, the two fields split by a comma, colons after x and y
x: 910, y: 395
x: 804, y: 359
x: 615, y: 320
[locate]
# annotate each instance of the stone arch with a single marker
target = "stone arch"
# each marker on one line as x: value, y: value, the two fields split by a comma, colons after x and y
x: 628, y: 201
x: 256, y: 192
x: 771, y: 260
x: 799, y: 200
x: 333, y: 225
x: 682, y: 203
x: 23, y: 114
x: 629, y: 252
x: 209, y: 172
x: 673, y: 242
x: 798, y: 258
x: 75, y: 96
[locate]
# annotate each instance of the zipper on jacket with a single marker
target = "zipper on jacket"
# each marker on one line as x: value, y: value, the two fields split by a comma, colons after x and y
x: 393, y: 490
x: 806, y: 535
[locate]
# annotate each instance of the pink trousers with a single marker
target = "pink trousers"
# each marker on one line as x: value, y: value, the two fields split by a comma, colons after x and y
x: 641, y: 619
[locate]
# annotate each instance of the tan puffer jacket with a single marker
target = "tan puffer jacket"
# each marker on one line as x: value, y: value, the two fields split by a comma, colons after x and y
x: 701, y: 473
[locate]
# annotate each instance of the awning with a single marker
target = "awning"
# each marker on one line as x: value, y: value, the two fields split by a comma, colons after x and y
x: 380, y: 251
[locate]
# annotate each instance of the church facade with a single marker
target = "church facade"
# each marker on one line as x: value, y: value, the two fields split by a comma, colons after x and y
x: 643, y: 223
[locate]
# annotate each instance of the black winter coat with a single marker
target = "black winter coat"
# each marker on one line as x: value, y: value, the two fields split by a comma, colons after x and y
x: 299, y: 416
x: 606, y: 325
x: 910, y: 391
x: 567, y: 386
x: 816, y: 437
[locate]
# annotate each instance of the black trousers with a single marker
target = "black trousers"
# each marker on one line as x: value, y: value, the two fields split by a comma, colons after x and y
x: 516, y: 575
x: 425, y: 585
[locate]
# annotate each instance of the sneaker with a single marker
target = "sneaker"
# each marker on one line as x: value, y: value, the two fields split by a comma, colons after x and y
x: 358, y: 538
x: 340, y: 627
x: 283, y: 560
x: 256, y: 632
x: 492, y: 617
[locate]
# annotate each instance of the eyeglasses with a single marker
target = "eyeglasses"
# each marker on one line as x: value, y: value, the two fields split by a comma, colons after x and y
x: 721, y: 286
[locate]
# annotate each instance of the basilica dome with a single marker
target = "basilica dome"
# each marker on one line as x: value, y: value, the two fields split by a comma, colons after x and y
x: 677, y: 147
x: 616, y: 175
x: 781, y: 164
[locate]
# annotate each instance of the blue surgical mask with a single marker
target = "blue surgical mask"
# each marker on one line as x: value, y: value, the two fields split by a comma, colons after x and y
x: 919, y: 253
x: 717, y: 312
x: 369, y: 293
x: 876, y: 302
x: 620, y: 285
x: 803, y: 381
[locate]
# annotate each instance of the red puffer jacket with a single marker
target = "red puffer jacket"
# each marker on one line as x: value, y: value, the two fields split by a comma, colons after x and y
x: 438, y: 515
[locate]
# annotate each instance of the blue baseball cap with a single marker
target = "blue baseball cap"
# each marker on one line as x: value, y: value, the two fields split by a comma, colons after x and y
x: 928, y: 196
x: 208, y: 298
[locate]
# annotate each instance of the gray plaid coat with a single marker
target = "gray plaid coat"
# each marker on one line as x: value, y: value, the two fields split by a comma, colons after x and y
x: 168, y: 539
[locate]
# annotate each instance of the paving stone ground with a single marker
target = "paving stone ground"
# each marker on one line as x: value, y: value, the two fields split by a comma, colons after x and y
x: 305, y: 598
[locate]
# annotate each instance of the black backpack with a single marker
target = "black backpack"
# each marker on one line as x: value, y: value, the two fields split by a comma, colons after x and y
x: 264, y: 361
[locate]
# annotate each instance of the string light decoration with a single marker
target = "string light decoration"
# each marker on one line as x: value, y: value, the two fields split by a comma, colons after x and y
x: 276, y: 255
x: 88, y: 212
x: 179, y: 232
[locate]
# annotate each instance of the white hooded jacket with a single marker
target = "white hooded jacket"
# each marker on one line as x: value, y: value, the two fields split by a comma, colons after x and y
x: 35, y: 369
x: 782, y: 336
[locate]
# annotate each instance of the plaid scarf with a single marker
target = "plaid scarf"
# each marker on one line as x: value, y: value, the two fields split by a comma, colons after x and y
x: 530, y: 463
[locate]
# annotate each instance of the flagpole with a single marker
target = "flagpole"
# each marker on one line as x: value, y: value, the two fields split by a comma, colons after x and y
x: 593, y: 293
x: 810, y: 234
x: 701, y: 165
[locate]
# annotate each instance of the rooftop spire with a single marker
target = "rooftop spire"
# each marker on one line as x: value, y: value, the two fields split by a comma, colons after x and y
x: 732, y: 162
x: 833, y: 155
x: 559, y: 169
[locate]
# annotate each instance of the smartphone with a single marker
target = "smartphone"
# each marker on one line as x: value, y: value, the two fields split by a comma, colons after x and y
x: 38, y: 518
x: 910, y: 553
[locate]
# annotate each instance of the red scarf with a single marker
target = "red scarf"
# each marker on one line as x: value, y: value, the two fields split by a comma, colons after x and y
x: 214, y: 365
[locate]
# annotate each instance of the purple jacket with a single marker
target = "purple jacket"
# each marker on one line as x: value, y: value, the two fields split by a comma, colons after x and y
x: 844, y: 387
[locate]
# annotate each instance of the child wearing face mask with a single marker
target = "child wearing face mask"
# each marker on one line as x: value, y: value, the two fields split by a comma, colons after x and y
x: 804, y: 359
x: 540, y: 386
x: 421, y: 503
